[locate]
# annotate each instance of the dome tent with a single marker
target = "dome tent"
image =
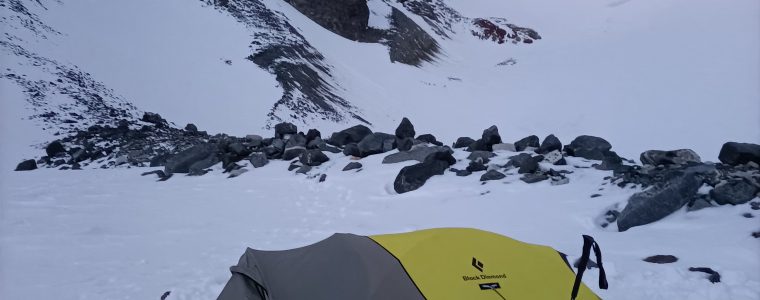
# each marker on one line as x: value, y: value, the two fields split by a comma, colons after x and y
x: 444, y: 263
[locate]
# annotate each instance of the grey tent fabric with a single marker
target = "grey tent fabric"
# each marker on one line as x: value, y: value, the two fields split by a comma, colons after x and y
x: 343, y: 266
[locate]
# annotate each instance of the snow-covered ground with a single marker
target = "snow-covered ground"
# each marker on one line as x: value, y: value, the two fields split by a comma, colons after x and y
x: 111, y: 234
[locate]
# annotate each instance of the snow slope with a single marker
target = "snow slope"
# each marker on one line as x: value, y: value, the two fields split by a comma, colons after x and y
x: 111, y: 234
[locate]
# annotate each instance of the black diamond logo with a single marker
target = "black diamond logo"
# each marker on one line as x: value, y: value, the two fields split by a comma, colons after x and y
x: 477, y: 264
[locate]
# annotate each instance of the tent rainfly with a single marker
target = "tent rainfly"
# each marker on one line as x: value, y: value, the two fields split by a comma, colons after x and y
x: 434, y: 264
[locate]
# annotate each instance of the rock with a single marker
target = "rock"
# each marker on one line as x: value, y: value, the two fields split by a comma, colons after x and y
x: 258, y: 160
x: 713, y: 276
x: 533, y: 178
x: 610, y: 161
x: 413, y: 177
x: 153, y: 118
x: 661, y: 259
x: 293, y: 152
x: 491, y: 137
x: 237, y: 172
x: 303, y: 170
x: 272, y: 152
x: 462, y: 173
x: 316, y: 143
x: 530, y: 165
x: 405, y: 129
x: 559, y: 180
x: 351, y: 135
x: 479, y: 145
x: 476, y: 166
x: 55, y: 148
x: 322, y: 177
x: 735, y: 192
x: 27, y: 165
x: 733, y: 153
x: 312, y: 135
x: 561, y: 162
x: 550, y: 143
x: 552, y: 157
x: 588, y: 147
x: 492, y: 175
x: 756, y: 234
x: 283, y: 129
x: 430, y: 139
x: 699, y: 203
x: 418, y: 153
x: 190, y: 127
x: 296, y: 140
x: 313, y: 158
x: 183, y: 161
x: 463, y: 142
x: 352, y: 166
x: 748, y: 215
x: 238, y: 149
x: 293, y: 167
x: 658, y: 201
x: 404, y: 144
x: 376, y: 143
x: 504, y: 147
x: 442, y: 156
x: 352, y: 150
x: 278, y: 144
x: 325, y: 147
x: 483, y: 156
x: 254, y: 140
x: 673, y: 157
x: 531, y: 141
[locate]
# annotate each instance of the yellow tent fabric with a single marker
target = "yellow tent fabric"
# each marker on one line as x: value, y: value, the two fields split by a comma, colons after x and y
x: 462, y: 263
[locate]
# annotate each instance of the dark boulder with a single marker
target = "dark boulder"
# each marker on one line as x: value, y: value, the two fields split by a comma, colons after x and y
x: 492, y: 175
x: 418, y: 153
x: 55, y: 148
x: 200, y: 167
x: 525, y: 162
x: 258, y: 160
x: 184, y: 160
x: 659, y: 201
x: 190, y: 127
x: 735, y: 192
x: 462, y: 173
x: 490, y: 137
x: 413, y: 177
x: 476, y: 166
x: 352, y: 150
x: 661, y: 259
x: 610, y: 161
x: 283, y: 129
x: 733, y: 153
x: 533, y: 178
x: 313, y: 158
x: 463, y: 142
x: 404, y: 144
x: 350, y: 135
x: 550, y: 143
x: 313, y: 134
x: 352, y: 166
x: 376, y: 143
x: 430, y: 139
x: 296, y: 140
x: 531, y: 141
x: 589, y: 147
x: 26, y: 165
x: 154, y: 119
x: 405, y: 129
x: 479, y: 145
x: 673, y: 157
x: 293, y: 152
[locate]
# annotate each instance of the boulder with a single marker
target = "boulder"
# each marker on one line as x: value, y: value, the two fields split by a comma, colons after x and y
x: 553, y: 156
x: 533, y: 178
x: 296, y: 140
x: 184, y: 160
x: 200, y: 167
x: 315, y: 143
x: 490, y: 137
x: 293, y: 152
x: 313, y: 134
x: 254, y: 140
x: 404, y: 144
x: 352, y: 166
x: 283, y: 129
x: 55, y: 148
x: 413, y: 177
x: 530, y: 165
x: 476, y: 166
x: 463, y: 142
x: 658, y: 201
x: 735, y: 192
x: 479, y: 145
x: 531, y: 141
x: 350, y: 135
x: 376, y: 143
x: 258, y: 160
x: 352, y: 150
x: 673, y: 157
x: 154, y: 119
x: 430, y: 139
x: 313, y: 158
x: 190, y: 127
x: 550, y: 143
x: 303, y: 169
x: 610, y: 161
x: 418, y: 153
x: 26, y: 165
x: 492, y: 175
x: 405, y: 129
x: 504, y: 147
x: 733, y: 153
x: 462, y: 173
x: 588, y: 147
x: 483, y: 156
